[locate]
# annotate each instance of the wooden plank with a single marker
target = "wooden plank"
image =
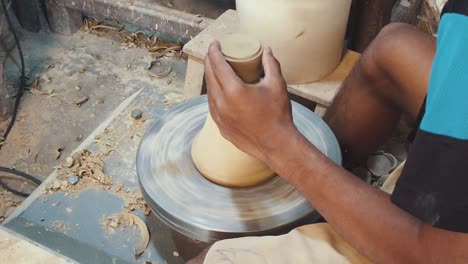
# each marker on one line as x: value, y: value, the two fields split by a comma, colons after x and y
x: 324, y: 91
x: 320, y: 110
x: 224, y: 24
x: 15, y: 249
x: 194, y: 78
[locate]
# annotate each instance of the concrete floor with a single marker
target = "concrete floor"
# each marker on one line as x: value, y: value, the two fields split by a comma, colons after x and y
x: 54, y: 118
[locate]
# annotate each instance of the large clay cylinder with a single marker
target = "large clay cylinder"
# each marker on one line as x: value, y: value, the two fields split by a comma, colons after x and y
x: 306, y: 36
x: 216, y: 158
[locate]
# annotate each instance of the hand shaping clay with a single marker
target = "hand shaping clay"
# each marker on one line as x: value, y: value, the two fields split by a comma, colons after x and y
x: 216, y: 158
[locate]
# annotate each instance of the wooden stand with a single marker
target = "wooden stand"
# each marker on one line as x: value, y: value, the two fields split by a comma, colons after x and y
x: 321, y: 92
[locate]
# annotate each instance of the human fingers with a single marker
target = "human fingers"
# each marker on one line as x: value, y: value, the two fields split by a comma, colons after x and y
x: 222, y: 71
x: 272, y: 69
x: 214, y: 89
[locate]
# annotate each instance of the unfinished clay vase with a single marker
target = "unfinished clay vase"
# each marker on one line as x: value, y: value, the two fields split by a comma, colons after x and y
x: 306, y: 36
x: 216, y: 158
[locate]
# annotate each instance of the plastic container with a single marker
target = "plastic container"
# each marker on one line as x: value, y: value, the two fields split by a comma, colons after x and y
x: 306, y: 36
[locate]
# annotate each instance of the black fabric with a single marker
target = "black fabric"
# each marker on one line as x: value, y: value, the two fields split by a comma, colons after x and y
x: 421, y: 113
x: 434, y: 183
x: 456, y: 6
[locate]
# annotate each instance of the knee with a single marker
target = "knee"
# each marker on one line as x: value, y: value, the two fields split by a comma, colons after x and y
x: 393, y: 30
x: 383, y: 49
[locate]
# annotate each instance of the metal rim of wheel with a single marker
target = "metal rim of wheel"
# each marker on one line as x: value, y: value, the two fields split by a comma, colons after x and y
x: 196, y: 207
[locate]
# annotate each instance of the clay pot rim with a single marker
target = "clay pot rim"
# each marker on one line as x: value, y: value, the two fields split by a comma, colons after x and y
x: 251, y: 58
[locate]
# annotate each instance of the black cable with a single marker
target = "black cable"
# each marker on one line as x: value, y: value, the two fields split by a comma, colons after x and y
x: 13, y: 191
x: 22, y: 78
x: 21, y: 174
x: 15, y: 110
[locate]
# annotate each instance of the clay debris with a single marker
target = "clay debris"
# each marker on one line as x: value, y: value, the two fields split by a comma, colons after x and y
x: 156, y: 47
x: 61, y: 226
x: 111, y: 223
x: 84, y: 164
x: 89, y: 168
x: 8, y: 203
x: 133, y: 199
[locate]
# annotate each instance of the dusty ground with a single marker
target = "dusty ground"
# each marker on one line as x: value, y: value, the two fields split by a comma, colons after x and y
x: 75, y: 83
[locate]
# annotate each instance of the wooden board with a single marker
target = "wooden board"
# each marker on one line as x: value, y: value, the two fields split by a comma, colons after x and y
x: 14, y: 249
x: 325, y: 90
x: 224, y: 24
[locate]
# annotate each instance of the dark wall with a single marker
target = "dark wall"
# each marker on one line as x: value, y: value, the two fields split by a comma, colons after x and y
x: 27, y: 12
x: 207, y: 8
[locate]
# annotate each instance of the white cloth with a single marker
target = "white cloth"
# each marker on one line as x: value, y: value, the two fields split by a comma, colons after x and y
x: 317, y: 243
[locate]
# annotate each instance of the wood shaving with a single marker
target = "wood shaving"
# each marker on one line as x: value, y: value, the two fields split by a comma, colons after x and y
x: 98, y: 27
x: 156, y: 46
x: 120, y: 221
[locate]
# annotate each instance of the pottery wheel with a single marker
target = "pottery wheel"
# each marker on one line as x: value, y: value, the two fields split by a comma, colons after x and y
x: 196, y: 207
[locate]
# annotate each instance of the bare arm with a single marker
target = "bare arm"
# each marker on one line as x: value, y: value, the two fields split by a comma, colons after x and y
x: 257, y: 119
x: 363, y: 215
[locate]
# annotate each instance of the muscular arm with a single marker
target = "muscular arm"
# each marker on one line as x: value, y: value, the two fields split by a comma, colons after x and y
x: 363, y: 215
x: 257, y: 119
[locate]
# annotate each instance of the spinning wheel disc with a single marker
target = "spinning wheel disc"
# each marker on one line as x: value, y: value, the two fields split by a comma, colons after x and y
x: 203, y: 210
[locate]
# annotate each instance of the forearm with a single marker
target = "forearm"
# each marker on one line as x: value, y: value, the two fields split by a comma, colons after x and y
x: 363, y: 215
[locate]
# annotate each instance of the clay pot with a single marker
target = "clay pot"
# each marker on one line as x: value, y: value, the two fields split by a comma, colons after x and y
x: 216, y: 158
x: 244, y: 54
x: 306, y: 36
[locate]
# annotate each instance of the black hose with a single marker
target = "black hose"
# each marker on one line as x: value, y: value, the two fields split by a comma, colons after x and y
x: 21, y: 174
x: 22, y: 78
x: 15, y: 111
x: 13, y: 191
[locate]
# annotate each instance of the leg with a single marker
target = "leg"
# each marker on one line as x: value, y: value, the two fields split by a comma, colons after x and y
x: 320, y: 110
x: 194, y: 78
x: 390, y: 79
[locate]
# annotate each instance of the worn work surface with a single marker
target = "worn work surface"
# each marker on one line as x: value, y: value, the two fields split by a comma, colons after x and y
x: 78, y: 83
x: 74, y: 83
x: 13, y: 250
x: 81, y: 221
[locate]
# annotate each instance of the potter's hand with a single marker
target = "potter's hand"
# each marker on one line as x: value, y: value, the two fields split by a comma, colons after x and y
x: 256, y: 118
